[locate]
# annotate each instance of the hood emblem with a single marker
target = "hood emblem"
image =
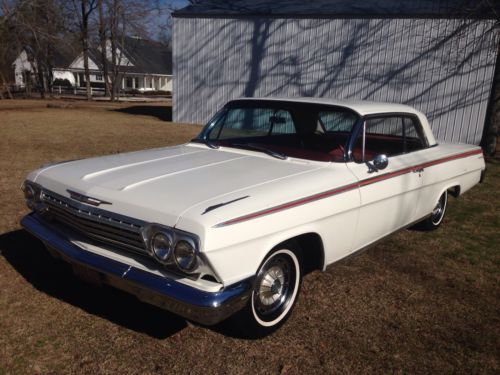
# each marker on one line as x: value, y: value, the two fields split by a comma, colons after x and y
x: 85, y: 199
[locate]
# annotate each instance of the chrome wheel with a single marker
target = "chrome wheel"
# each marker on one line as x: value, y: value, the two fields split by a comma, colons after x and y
x: 276, y: 287
x: 438, y: 211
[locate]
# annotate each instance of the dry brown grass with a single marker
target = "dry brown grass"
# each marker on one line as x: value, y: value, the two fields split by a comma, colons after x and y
x: 418, y: 302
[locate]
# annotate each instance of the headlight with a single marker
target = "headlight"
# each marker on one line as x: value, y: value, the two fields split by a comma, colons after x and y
x: 29, y: 193
x: 161, y: 246
x: 32, y: 195
x: 178, y: 251
x: 185, y: 255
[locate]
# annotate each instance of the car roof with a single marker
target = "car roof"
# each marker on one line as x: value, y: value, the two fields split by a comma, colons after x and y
x: 362, y: 107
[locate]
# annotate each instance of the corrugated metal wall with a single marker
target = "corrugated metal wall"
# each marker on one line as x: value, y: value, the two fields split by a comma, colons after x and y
x: 442, y: 67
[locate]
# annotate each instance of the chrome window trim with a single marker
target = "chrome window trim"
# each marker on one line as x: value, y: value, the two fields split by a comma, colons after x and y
x: 360, y: 126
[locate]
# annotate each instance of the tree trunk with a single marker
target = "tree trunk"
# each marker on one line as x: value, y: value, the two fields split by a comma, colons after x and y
x: 6, y: 85
x: 40, y: 77
x: 114, y: 62
x: 102, y: 40
x: 492, y: 125
x: 85, y: 46
x: 86, y: 68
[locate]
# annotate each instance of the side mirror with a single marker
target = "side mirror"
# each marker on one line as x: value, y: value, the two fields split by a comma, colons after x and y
x: 380, y: 161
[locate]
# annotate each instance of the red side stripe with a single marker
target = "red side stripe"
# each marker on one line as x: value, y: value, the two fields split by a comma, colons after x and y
x: 344, y: 188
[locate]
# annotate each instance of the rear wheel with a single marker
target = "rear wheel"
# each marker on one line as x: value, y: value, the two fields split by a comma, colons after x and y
x: 275, y: 292
x: 437, y: 215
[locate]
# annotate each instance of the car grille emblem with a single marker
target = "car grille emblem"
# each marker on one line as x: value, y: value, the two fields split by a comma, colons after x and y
x: 85, y: 199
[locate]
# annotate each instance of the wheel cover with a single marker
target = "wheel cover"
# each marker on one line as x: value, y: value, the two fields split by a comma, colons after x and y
x: 275, y: 287
x: 438, y: 211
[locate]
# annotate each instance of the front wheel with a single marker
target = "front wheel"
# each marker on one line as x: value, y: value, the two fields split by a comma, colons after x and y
x: 274, y: 294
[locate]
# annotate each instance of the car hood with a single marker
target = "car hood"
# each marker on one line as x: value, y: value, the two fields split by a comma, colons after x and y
x: 159, y: 185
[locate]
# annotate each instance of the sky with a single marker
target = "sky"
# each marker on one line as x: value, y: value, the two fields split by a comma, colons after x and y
x: 159, y: 24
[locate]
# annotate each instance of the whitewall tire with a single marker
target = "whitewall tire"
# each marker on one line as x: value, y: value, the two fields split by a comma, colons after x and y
x: 276, y: 289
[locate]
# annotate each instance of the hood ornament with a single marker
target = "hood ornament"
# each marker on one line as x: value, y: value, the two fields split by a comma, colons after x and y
x: 86, y: 199
x: 215, y: 206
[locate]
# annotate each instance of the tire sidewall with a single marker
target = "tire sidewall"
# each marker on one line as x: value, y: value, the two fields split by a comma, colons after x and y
x: 298, y: 277
x: 436, y: 224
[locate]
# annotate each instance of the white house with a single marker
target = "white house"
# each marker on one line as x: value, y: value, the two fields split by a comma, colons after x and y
x: 145, y: 65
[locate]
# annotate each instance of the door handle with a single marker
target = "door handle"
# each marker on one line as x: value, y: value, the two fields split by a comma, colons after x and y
x: 418, y: 170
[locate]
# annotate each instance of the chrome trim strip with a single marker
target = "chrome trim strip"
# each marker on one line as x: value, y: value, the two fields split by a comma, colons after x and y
x: 345, y: 188
x: 85, y: 198
x: 204, y: 307
x: 215, y: 206
x: 98, y: 214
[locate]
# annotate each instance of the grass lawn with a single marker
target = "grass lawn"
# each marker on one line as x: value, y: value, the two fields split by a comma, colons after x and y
x: 416, y: 303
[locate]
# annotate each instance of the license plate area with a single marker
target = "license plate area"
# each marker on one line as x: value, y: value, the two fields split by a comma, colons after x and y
x: 87, y: 275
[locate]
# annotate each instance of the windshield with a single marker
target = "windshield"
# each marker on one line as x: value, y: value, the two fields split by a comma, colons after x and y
x: 281, y: 129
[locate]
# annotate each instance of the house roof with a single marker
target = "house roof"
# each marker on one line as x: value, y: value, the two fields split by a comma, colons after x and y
x: 63, y: 57
x: 342, y: 8
x: 147, y: 56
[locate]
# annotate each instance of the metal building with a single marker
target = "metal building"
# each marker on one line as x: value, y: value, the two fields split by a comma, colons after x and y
x: 430, y: 54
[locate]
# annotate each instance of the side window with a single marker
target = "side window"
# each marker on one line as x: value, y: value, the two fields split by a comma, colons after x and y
x: 389, y: 135
x: 337, y: 121
x: 414, y: 135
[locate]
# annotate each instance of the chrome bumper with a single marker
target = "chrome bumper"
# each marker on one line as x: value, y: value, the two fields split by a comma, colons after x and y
x: 191, y: 303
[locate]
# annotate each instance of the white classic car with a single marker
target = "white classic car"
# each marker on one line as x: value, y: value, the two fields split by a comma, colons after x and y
x: 228, y: 223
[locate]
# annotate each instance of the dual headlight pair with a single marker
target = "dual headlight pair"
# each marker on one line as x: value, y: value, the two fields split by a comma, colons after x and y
x: 174, y: 248
x: 170, y: 247
x: 33, y: 197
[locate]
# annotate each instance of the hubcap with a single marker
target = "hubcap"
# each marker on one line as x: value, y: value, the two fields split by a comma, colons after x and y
x: 271, y: 286
x: 438, y: 211
x: 274, y: 287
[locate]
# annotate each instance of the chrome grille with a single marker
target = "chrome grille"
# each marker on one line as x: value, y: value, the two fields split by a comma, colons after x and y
x: 103, y: 226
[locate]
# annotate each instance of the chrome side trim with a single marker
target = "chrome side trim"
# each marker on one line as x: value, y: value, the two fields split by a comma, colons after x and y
x: 194, y: 304
x: 355, y: 185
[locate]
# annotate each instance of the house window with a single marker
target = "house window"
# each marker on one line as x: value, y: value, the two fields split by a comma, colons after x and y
x: 98, y: 77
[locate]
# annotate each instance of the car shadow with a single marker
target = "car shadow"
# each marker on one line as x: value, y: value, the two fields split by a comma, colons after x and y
x: 163, y: 113
x: 28, y: 256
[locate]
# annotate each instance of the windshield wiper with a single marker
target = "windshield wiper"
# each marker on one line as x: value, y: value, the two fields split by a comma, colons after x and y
x: 206, y: 142
x: 252, y: 146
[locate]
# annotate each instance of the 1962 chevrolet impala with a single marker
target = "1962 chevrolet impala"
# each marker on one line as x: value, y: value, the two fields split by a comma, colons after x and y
x: 228, y: 223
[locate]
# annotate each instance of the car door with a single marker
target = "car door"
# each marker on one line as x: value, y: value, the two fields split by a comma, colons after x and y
x: 389, y: 195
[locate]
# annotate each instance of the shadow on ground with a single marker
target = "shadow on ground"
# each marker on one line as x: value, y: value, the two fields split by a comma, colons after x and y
x: 29, y: 257
x: 163, y: 113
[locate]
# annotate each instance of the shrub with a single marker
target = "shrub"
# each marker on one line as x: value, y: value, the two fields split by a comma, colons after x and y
x: 62, y: 82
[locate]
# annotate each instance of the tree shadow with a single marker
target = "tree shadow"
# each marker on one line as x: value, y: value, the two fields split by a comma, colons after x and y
x: 163, y: 113
x: 28, y: 256
x: 441, y: 66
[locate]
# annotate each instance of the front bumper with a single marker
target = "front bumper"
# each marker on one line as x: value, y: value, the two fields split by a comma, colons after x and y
x: 191, y: 303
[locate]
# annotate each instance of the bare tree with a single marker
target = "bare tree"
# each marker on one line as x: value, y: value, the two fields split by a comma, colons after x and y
x: 84, y: 9
x: 37, y: 26
x: 124, y: 17
x: 6, y: 56
x: 103, y: 37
